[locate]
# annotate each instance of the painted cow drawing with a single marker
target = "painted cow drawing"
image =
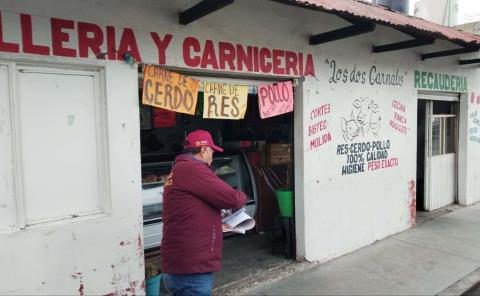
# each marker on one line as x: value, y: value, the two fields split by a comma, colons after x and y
x: 364, y: 118
x: 365, y: 112
x: 350, y: 129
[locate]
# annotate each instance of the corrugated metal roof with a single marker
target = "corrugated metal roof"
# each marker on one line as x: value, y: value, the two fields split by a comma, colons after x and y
x: 382, y: 15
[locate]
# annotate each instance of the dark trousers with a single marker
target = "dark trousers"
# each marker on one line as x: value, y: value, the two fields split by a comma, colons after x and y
x: 198, y: 284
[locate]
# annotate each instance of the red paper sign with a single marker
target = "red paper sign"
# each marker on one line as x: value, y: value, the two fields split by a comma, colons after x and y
x: 275, y: 99
x: 163, y: 118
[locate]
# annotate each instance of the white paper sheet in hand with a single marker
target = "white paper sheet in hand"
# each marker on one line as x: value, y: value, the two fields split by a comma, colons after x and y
x: 239, y: 221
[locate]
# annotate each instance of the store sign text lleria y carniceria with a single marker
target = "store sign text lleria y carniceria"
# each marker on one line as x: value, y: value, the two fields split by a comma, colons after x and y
x: 83, y: 40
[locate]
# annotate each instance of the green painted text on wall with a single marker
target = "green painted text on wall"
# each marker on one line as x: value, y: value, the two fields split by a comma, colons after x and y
x: 438, y: 81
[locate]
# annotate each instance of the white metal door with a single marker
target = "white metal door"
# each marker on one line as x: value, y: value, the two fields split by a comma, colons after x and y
x: 441, y: 155
x: 59, y: 120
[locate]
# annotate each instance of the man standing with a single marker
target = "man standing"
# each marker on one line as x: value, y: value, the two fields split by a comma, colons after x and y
x: 192, y: 226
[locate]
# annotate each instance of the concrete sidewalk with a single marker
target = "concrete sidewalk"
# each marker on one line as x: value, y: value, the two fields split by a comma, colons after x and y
x: 440, y: 256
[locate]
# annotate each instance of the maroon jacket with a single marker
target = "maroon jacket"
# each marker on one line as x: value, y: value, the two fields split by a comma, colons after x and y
x: 192, y: 226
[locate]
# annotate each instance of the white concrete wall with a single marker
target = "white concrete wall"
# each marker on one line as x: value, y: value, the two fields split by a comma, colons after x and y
x: 335, y: 213
x: 472, y: 159
x: 99, y: 254
x: 448, y: 13
x: 442, y: 12
x: 473, y: 27
x: 345, y: 212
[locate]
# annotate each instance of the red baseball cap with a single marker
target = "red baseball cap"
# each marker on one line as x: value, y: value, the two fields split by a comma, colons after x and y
x: 200, y: 138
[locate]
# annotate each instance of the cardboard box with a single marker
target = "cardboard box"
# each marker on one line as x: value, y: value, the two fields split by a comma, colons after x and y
x: 285, y: 159
x: 279, y: 147
x: 278, y: 153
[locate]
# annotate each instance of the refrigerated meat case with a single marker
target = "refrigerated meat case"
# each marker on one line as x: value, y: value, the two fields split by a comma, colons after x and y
x: 234, y: 168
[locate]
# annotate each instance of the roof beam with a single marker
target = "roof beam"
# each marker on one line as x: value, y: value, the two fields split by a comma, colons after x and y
x: 467, y: 49
x: 202, y: 9
x: 418, y: 41
x: 355, y: 29
x: 469, y: 62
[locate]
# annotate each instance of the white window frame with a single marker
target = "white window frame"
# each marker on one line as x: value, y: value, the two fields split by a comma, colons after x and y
x: 12, y: 141
x: 101, y: 125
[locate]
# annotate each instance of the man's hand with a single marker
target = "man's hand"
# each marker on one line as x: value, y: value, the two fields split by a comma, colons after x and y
x: 225, y: 228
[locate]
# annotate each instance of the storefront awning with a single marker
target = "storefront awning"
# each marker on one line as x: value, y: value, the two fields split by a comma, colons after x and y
x: 364, y: 16
x: 361, y: 13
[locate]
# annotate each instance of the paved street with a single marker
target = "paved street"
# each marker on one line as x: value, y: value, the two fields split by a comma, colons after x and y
x: 425, y: 260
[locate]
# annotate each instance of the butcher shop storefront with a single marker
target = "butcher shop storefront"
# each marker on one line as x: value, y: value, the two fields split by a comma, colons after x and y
x: 339, y: 121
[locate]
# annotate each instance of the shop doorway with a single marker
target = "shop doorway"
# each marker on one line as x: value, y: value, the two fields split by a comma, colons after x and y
x: 437, y: 151
x: 258, y: 160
